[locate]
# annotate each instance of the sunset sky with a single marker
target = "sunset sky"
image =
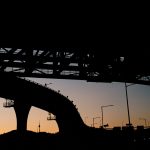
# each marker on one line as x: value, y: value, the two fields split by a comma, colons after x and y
x: 88, y: 97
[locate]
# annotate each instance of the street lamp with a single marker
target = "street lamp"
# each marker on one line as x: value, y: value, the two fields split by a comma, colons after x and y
x: 129, y: 122
x: 145, y: 120
x: 102, y: 112
x: 94, y: 119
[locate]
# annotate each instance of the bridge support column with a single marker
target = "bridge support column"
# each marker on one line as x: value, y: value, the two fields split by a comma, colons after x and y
x: 22, y: 111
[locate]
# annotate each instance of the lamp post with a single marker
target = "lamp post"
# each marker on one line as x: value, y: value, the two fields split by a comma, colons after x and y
x: 126, y: 86
x: 102, y: 112
x: 94, y: 119
x: 145, y: 120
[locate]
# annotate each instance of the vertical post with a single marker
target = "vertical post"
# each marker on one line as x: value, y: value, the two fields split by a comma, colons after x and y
x: 93, y: 122
x: 39, y: 126
x: 145, y: 123
x: 127, y: 104
x: 102, y: 112
x: 102, y: 115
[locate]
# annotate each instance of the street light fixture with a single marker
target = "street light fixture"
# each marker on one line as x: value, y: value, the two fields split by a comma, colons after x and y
x: 129, y: 122
x: 94, y: 119
x: 145, y: 120
x: 102, y: 112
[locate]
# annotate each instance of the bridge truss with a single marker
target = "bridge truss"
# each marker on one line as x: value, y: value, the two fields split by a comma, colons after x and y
x: 75, y: 63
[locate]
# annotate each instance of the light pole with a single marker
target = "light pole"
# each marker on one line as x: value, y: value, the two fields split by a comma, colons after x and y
x: 102, y: 112
x: 94, y: 119
x: 145, y: 120
x: 129, y: 122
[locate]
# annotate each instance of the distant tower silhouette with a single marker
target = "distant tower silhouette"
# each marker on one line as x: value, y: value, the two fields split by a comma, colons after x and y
x: 39, y: 126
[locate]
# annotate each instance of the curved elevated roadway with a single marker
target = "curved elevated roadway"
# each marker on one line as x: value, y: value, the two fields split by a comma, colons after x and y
x: 26, y: 94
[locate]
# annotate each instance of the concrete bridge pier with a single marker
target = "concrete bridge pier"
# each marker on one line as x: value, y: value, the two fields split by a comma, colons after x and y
x: 22, y: 111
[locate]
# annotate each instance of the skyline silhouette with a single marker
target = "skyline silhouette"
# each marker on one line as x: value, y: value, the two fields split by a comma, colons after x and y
x: 88, y: 97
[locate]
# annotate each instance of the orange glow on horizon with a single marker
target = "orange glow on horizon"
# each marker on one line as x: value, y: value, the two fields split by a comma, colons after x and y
x: 88, y: 97
x: 37, y: 116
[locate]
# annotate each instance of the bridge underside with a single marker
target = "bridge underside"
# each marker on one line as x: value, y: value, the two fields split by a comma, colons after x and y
x: 90, y: 64
x: 26, y: 94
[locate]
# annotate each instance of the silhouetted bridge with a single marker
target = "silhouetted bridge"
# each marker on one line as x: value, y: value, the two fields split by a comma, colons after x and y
x: 76, y: 63
x: 26, y: 94
x: 62, y: 63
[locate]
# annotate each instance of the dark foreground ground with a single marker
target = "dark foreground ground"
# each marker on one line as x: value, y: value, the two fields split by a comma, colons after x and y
x: 100, y: 139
